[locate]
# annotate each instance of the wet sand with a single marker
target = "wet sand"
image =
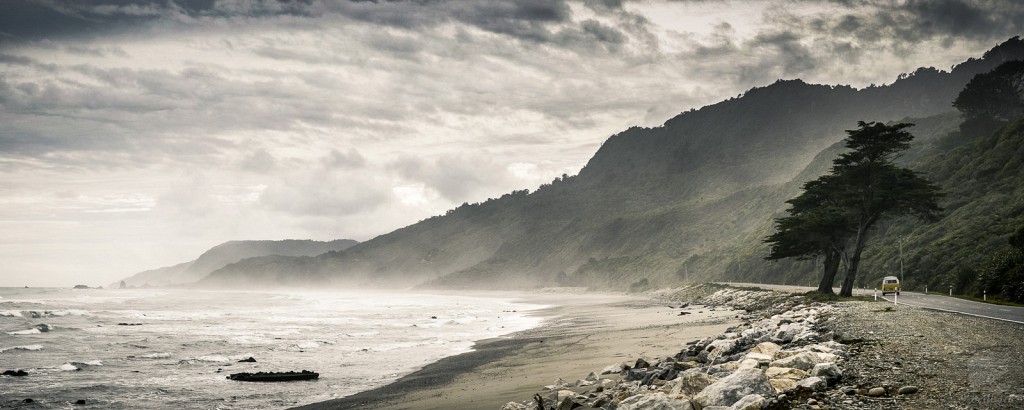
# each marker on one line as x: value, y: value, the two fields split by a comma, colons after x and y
x: 582, y: 333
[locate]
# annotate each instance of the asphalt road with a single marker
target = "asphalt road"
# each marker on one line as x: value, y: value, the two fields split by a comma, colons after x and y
x: 932, y: 301
x: 968, y: 307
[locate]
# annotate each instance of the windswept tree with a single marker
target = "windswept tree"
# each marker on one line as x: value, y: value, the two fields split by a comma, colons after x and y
x: 835, y: 214
x: 816, y: 226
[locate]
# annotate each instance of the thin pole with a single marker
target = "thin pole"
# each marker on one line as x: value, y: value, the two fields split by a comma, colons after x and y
x: 901, y: 261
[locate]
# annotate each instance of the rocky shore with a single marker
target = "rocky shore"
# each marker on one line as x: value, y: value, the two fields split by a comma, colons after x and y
x: 791, y: 352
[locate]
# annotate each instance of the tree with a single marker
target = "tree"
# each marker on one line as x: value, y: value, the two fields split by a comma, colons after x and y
x: 871, y: 187
x: 993, y: 99
x: 863, y: 187
x: 816, y: 226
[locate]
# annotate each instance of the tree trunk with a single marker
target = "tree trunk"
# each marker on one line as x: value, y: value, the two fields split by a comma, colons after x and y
x: 851, y: 271
x: 828, y: 276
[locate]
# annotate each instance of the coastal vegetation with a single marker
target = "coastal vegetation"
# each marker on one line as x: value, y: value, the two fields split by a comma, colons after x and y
x: 836, y: 213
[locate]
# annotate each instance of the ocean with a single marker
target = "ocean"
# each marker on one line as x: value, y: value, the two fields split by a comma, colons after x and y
x: 173, y: 348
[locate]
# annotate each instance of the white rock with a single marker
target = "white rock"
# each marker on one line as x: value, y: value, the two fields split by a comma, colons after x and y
x: 813, y: 383
x: 785, y: 373
x: 732, y: 388
x: 804, y: 360
x: 749, y: 402
x: 612, y: 369
x: 654, y: 401
x: 828, y: 371
x: 689, y: 383
x: 514, y: 406
x: 782, y: 385
x: 766, y: 348
x: 759, y: 357
x: 722, y: 346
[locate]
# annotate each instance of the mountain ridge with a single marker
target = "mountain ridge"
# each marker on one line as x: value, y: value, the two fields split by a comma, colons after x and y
x: 649, y: 203
x: 229, y: 252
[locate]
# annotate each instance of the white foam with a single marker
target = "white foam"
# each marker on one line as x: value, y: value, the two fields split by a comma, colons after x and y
x: 10, y: 313
x: 24, y: 332
x: 26, y: 347
x: 213, y: 358
x: 68, y: 367
x: 152, y: 356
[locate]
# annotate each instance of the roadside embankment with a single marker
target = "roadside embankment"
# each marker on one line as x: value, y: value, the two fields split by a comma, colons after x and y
x: 791, y: 352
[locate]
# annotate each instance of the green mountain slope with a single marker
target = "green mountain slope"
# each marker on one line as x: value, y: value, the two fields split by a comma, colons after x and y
x: 686, y: 201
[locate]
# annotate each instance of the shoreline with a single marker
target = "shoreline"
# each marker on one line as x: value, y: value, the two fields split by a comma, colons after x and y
x: 580, y: 333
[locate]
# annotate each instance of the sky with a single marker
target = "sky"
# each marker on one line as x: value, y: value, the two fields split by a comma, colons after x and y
x: 136, y: 134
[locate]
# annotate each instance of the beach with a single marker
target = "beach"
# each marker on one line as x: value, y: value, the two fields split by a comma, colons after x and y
x: 581, y: 333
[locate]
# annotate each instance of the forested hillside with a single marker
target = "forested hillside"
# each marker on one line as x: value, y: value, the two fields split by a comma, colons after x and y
x: 690, y: 200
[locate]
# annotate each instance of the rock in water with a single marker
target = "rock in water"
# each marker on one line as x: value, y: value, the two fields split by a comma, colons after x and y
x: 122, y: 285
x: 15, y: 373
x: 250, y: 359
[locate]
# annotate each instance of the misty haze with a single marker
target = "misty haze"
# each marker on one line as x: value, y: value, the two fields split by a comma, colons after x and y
x: 514, y: 205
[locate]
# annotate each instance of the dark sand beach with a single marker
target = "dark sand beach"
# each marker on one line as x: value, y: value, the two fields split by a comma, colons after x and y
x: 582, y: 333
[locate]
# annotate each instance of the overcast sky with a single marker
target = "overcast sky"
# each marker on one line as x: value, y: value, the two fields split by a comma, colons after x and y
x: 136, y: 134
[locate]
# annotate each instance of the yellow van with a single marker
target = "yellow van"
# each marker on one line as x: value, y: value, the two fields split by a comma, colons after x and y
x: 890, y: 284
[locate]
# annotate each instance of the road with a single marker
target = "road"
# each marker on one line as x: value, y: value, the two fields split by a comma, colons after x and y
x: 930, y: 301
x: 968, y: 307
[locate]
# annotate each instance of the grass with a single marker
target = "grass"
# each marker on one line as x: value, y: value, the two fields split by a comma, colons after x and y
x: 886, y: 309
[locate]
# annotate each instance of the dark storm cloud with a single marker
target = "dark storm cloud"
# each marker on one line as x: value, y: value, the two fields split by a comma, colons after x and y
x: 804, y: 42
x: 542, y: 21
x: 919, y: 20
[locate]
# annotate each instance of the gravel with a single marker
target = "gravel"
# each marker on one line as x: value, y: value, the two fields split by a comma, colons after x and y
x: 938, y: 360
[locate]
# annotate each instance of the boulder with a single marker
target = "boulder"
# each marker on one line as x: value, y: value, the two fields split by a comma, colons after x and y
x: 907, y: 390
x: 828, y: 371
x: 654, y: 401
x: 782, y: 385
x: 767, y: 348
x: 759, y: 357
x: 813, y: 383
x: 612, y: 369
x: 514, y: 406
x: 722, y: 347
x: 592, y: 377
x: 732, y: 388
x: 785, y: 373
x: 748, y: 364
x: 749, y: 402
x: 688, y: 383
x: 804, y: 360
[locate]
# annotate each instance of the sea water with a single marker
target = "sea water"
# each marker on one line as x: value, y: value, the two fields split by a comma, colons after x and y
x: 171, y: 348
